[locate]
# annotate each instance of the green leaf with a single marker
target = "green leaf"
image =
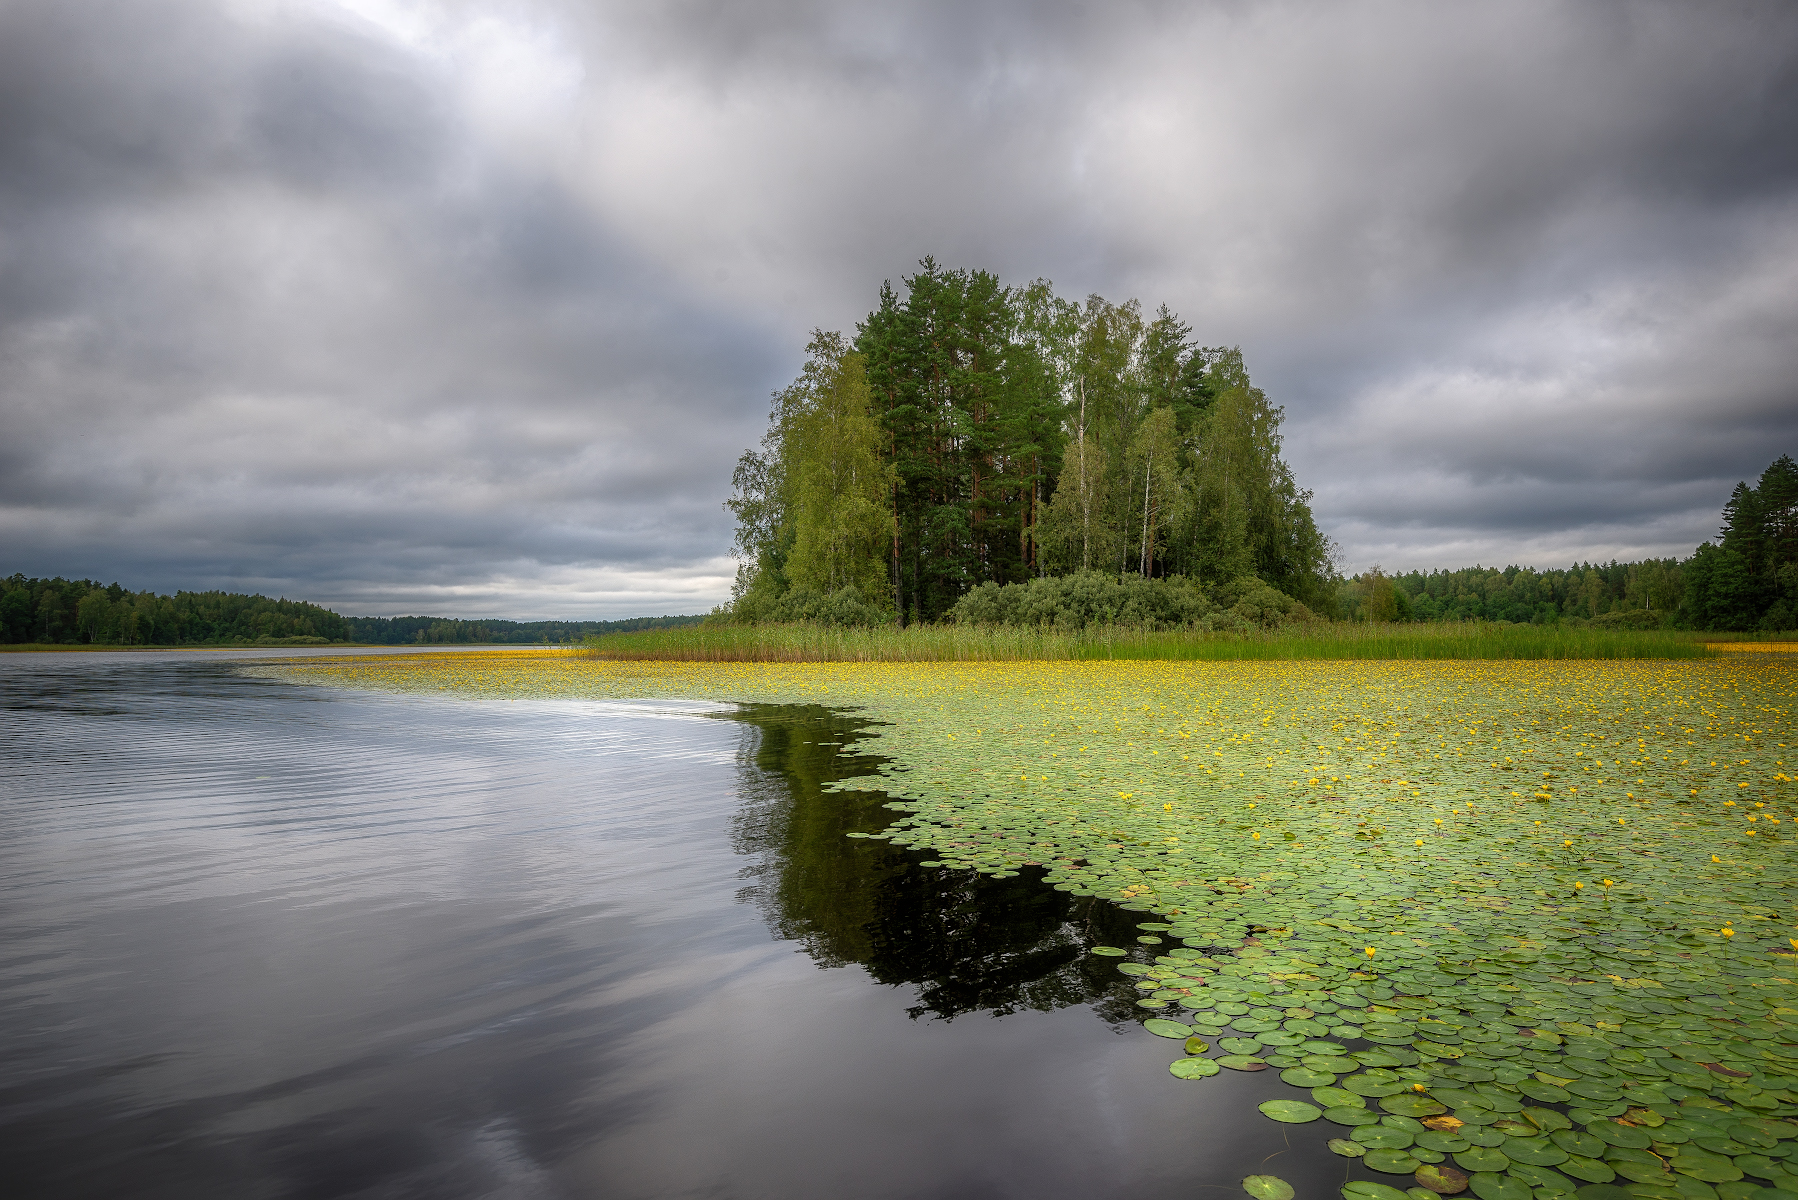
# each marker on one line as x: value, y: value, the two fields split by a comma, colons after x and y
x: 1367, y: 1189
x: 1197, y: 1045
x: 1192, y: 1068
x: 1108, y: 951
x: 1267, y: 1187
x: 1305, y: 1077
x: 1291, y: 1112
x: 1351, y: 1116
x: 1241, y: 1062
x: 1488, y: 1185
x: 1391, y: 1162
x: 1479, y: 1158
x: 1167, y: 1029
x: 1345, y: 1147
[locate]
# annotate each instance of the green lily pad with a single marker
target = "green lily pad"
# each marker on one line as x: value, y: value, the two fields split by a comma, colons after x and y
x: 1346, y: 1148
x: 1547, y: 1119
x: 1578, y: 1141
x: 1603, y: 1191
x: 1267, y: 1187
x: 1489, y: 1185
x: 1197, y: 1045
x: 1351, y: 1116
x: 1413, y: 1104
x: 1547, y: 1093
x: 1192, y: 1068
x: 1291, y: 1112
x: 1391, y: 1162
x: 1108, y: 951
x: 1332, y: 1097
x: 1241, y: 1062
x: 1446, y: 1143
x: 1384, y: 1137
x: 1239, y: 1045
x: 1534, y: 1151
x: 1167, y: 1029
x: 1370, y: 1084
x: 1305, y: 1077
x: 1638, y: 1172
x: 1619, y: 1135
x: 1541, y: 1177
x: 1705, y: 1166
x: 1589, y: 1169
x: 1482, y: 1158
x: 1367, y: 1189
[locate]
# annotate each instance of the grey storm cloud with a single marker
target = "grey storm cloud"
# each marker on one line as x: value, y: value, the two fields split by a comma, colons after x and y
x: 469, y: 307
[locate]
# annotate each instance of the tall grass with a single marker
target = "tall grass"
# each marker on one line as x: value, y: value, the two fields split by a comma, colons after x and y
x: 962, y: 643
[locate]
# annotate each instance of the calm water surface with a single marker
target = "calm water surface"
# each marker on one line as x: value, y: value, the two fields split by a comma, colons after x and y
x: 263, y: 940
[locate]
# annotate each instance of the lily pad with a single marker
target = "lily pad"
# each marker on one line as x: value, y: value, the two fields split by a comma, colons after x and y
x: 1305, y: 1077
x: 1239, y: 1045
x: 1351, y: 1116
x: 1346, y: 1148
x: 1333, y: 1097
x: 1391, y: 1162
x: 1197, y: 1045
x: 1619, y: 1135
x: 1367, y: 1189
x: 1192, y: 1068
x: 1534, y: 1151
x: 1384, y: 1137
x: 1480, y: 1158
x: 1241, y: 1062
x: 1267, y: 1187
x: 1167, y: 1029
x: 1108, y: 951
x: 1541, y: 1177
x: 1412, y: 1104
x: 1442, y: 1179
x: 1291, y: 1112
x: 1589, y: 1169
x: 1490, y: 1186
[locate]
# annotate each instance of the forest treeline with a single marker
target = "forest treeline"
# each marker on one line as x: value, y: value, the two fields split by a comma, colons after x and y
x: 971, y: 433
x: 84, y: 612
x: 1746, y: 580
x: 972, y: 440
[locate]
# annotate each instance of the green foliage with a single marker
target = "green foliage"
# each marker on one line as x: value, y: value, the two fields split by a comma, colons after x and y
x: 77, y: 612
x: 1090, y: 599
x: 844, y: 608
x: 1017, y: 434
x: 811, y: 506
x: 81, y: 612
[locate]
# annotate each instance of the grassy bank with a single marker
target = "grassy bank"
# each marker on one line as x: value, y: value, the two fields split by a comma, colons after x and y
x: 951, y: 643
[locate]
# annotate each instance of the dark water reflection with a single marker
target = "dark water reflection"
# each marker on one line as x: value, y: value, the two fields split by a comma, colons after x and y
x: 259, y: 940
x: 966, y: 942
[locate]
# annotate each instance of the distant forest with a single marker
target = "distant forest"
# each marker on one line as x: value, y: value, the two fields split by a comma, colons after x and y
x: 72, y: 612
x: 1746, y: 580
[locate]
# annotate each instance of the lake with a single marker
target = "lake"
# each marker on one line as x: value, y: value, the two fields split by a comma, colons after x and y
x: 266, y: 940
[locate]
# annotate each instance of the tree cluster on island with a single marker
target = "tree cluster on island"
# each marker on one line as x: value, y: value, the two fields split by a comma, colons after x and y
x: 1001, y: 455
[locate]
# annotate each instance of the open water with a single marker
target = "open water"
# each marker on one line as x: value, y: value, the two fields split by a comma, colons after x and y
x: 267, y: 940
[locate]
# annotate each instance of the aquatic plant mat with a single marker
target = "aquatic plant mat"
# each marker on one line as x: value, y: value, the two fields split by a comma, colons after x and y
x: 1518, y: 929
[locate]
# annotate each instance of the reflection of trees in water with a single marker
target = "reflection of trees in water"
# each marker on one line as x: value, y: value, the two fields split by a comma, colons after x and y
x: 968, y: 942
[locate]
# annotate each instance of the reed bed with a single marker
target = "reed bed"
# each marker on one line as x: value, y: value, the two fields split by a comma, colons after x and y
x: 962, y: 643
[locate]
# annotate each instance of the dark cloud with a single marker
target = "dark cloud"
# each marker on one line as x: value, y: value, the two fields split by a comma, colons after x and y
x: 470, y: 307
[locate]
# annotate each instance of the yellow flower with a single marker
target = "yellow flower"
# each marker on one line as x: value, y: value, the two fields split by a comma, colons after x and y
x: 1728, y: 932
x: 1370, y: 952
x: 1608, y: 883
x: 1577, y: 886
x: 1420, y: 841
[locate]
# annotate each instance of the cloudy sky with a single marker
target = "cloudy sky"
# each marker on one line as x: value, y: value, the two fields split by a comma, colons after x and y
x: 467, y: 307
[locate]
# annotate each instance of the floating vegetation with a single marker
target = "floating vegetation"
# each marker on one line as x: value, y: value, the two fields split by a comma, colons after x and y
x: 1520, y: 930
